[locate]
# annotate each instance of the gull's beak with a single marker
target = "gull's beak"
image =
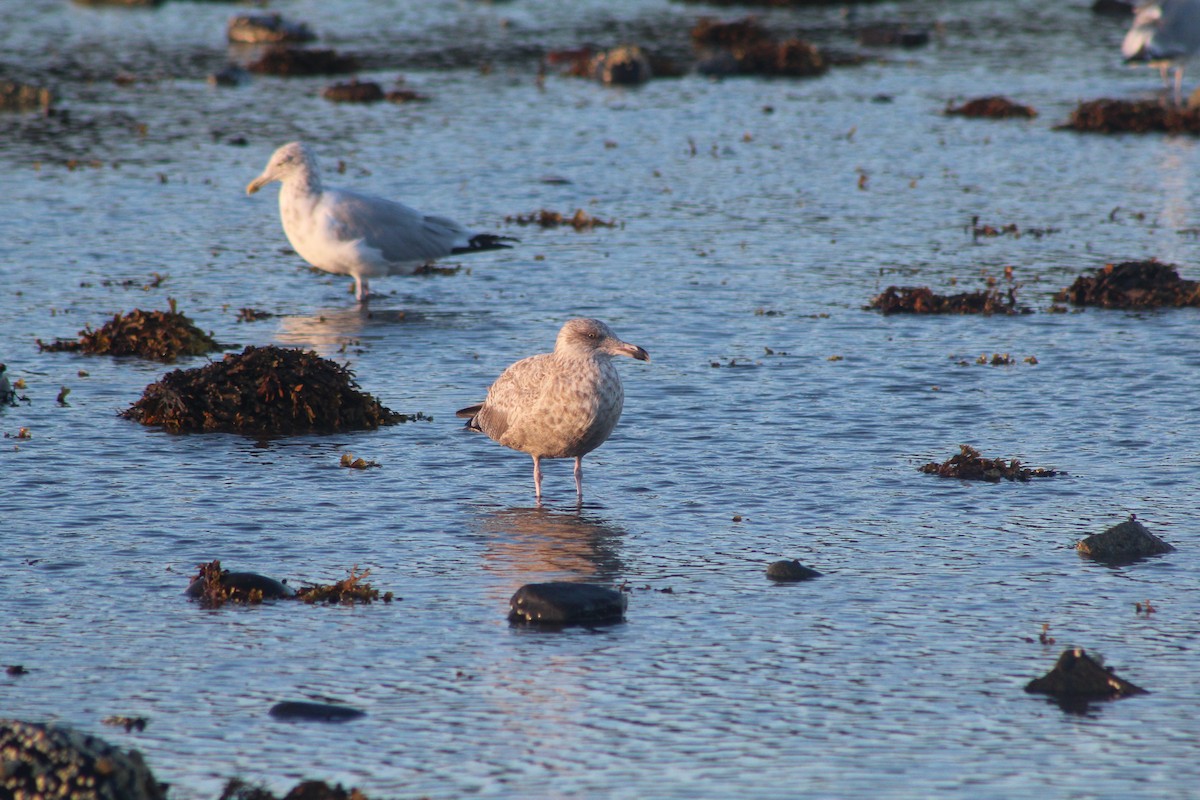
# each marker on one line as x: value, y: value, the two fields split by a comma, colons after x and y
x: 631, y: 350
x: 257, y: 183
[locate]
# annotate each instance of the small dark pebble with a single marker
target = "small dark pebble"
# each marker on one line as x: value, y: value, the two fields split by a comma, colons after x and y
x: 1079, y: 675
x: 790, y: 571
x: 317, y: 712
x: 565, y: 603
x: 1123, y: 544
x: 15, y: 669
x: 1116, y: 8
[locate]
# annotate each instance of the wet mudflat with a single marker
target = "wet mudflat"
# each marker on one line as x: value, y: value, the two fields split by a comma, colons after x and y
x: 756, y: 219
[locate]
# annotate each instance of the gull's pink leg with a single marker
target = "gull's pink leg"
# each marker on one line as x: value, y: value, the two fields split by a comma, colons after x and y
x: 537, y: 477
x: 579, y: 476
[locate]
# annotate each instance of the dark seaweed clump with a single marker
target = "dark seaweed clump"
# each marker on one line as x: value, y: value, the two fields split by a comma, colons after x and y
x: 922, y: 300
x: 1132, y: 116
x: 969, y: 465
x: 351, y: 589
x: 1132, y: 284
x: 237, y: 789
x: 262, y: 391
x: 156, y: 335
x: 580, y: 220
x: 993, y: 107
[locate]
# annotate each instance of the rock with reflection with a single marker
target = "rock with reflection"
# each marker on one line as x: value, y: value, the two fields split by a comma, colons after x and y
x: 1123, y: 544
x: 43, y: 761
x: 314, y: 712
x: 561, y: 603
x: 1079, y: 676
x: 790, y: 571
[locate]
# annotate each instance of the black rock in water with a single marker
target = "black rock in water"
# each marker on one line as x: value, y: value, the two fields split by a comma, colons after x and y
x: 790, y: 571
x: 318, y: 712
x: 1123, y: 544
x: 244, y: 583
x: 1078, y: 675
x: 565, y: 603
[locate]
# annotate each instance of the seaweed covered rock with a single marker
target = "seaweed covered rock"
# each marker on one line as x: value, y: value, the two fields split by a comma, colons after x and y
x: 993, y: 107
x: 1132, y: 116
x: 262, y: 391
x: 564, y: 603
x: 213, y: 587
x: 744, y: 47
x: 156, y: 335
x: 922, y: 300
x: 580, y: 220
x: 968, y: 464
x: 1078, y: 675
x: 351, y: 589
x: 288, y: 61
x: 1123, y: 544
x: 1132, y: 284
x: 626, y: 65
x: 237, y: 789
x: 44, y: 761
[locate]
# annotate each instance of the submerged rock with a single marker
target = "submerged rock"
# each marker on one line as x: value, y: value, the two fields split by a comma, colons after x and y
x: 156, y: 335
x: 291, y: 61
x: 1132, y: 116
x: 968, y: 464
x: 1133, y: 284
x: 23, y: 97
x: 922, y: 300
x: 262, y: 391
x: 354, y: 92
x: 993, y: 107
x: 1078, y: 675
x: 790, y: 571
x: 892, y: 34
x: 237, y: 789
x: 317, y: 712
x: 43, y: 761
x: 1123, y: 543
x: 267, y: 29
x: 565, y: 603
x: 744, y: 47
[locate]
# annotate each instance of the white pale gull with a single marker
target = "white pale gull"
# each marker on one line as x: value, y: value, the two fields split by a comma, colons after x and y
x: 558, y: 405
x: 360, y: 235
x: 1165, y: 33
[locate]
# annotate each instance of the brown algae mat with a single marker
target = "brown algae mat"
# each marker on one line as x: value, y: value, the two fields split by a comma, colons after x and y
x: 156, y: 335
x: 262, y: 391
x: 1132, y: 284
x: 580, y: 220
x: 213, y: 587
x: 968, y: 464
x: 1132, y: 116
x: 992, y: 107
x: 922, y: 300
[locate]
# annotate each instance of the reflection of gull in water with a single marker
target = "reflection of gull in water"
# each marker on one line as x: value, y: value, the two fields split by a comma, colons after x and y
x: 540, y: 544
x: 332, y: 328
x: 1166, y: 34
x: 360, y: 235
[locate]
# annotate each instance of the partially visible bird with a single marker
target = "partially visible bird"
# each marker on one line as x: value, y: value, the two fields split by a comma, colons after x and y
x: 558, y: 405
x: 360, y: 235
x: 1166, y: 34
x: 7, y: 395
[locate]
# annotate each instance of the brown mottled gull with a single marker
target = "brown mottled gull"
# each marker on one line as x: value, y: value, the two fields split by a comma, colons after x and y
x: 360, y: 235
x: 558, y: 405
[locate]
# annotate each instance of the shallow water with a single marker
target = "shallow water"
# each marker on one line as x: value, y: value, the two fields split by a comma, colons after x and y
x: 900, y: 673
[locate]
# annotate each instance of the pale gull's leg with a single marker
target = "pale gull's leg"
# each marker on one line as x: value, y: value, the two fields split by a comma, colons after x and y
x: 579, y: 476
x: 1179, y: 86
x: 362, y: 289
x: 537, y: 477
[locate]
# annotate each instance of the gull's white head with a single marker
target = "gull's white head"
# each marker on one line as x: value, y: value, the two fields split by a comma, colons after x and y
x: 294, y: 158
x: 583, y: 336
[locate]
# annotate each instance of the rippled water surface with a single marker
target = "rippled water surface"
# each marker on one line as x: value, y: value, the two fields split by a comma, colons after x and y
x: 757, y: 218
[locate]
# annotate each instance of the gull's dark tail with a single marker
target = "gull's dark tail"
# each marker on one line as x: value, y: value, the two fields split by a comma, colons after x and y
x: 471, y: 413
x: 484, y: 241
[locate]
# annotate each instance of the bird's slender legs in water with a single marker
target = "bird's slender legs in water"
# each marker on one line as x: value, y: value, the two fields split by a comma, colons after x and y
x: 537, y: 477
x: 1179, y: 86
x: 579, y: 476
x: 362, y: 289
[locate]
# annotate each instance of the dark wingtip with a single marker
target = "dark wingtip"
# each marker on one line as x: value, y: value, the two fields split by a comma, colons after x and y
x: 484, y: 241
x: 470, y: 413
